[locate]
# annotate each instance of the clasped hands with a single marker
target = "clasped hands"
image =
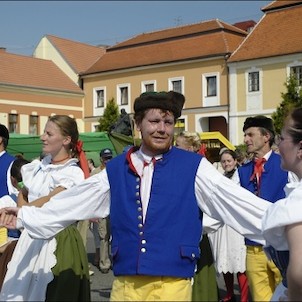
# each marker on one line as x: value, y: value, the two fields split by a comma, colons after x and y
x: 8, y: 217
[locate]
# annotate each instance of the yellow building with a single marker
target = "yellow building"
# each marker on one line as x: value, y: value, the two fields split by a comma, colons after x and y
x: 261, y: 65
x: 189, y: 59
x: 31, y: 90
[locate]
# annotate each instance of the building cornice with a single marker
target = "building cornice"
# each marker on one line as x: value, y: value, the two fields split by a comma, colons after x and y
x: 154, y: 66
x: 36, y: 90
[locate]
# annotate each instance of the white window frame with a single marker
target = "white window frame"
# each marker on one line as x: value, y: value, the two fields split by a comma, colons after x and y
x: 102, y: 103
x: 119, y: 96
x: 145, y: 83
x: 290, y: 66
x: 185, y: 119
x: 252, y: 85
x: 13, y: 124
x: 94, y: 127
x: 253, y: 70
x: 176, y: 79
x: 33, y: 127
x: 99, y: 111
x: 214, y: 100
x: 254, y: 99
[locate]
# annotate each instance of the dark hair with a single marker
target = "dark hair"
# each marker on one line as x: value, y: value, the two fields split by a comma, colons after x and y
x: 5, y: 135
x: 68, y: 127
x: 16, y: 168
x: 228, y: 151
x: 19, y: 155
x: 230, y: 174
x: 4, y: 142
x: 91, y: 161
x: 265, y: 131
x: 139, y: 116
x: 295, y: 125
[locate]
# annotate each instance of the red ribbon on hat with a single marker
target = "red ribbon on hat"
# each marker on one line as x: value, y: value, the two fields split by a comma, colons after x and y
x: 82, y: 158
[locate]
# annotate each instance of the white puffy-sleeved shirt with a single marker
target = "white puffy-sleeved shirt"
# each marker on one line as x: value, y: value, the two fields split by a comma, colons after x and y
x: 217, y: 196
x: 42, y: 177
x: 29, y: 272
x: 282, y: 213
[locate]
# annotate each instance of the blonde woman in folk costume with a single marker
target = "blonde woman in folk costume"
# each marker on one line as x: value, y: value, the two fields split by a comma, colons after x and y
x: 55, y: 269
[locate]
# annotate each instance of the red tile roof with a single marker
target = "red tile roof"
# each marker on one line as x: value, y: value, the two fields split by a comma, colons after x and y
x: 78, y: 55
x: 203, y: 40
x: 245, y: 25
x: 178, y: 32
x: 34, y: 73
x: 279, y: 4
x: 277, y: 33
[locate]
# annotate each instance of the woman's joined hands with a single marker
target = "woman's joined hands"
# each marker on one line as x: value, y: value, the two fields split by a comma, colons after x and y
x: 8, y: 217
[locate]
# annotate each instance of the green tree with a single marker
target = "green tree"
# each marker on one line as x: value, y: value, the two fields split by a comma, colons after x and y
x: 110, y: 116
x: 292, y: 98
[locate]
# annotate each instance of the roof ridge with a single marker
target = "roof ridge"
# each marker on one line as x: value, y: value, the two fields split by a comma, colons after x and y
x: 173, y: 27
x: 283, y: 42
x: 23, y: 56
x: 223, y: 34
x: 280, y: 4
x: 72, y: 41
x: 65, y: 47
x: 177, y: 32
x: 246, y: 38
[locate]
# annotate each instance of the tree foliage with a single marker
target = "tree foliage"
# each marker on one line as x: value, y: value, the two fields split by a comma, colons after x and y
x: 292, y: 98
x: 110, y: 116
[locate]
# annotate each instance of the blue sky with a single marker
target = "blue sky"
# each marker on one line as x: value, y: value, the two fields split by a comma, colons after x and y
x: 24, y: 23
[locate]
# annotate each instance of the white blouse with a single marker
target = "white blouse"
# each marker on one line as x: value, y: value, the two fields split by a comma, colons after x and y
x: 42, y: 177
x: 29, y: 270
x: 282, y: 213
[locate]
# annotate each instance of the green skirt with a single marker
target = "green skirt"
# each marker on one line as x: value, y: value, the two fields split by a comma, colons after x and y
x: 205, y: 284
x: 71, y: 275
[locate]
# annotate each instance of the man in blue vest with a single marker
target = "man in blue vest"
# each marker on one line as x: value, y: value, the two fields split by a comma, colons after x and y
x: 5, y: 163
x: 154, y: 194
x: 264, y: 177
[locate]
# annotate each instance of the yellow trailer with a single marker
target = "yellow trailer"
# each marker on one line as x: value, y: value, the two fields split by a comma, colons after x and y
x: 213, y: 142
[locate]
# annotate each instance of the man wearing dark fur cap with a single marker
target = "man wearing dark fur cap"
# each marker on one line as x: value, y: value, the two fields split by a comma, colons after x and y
x: 264, y: 177
x: 154, y: 194
x: 5, y: 162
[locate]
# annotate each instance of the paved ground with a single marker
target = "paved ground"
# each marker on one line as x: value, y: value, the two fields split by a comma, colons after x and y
x: 101, y: 283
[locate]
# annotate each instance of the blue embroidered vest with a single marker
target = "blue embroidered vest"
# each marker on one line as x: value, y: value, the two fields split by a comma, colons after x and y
x: 5, y: 160
x: 273, y: 181
x: 167, y: 243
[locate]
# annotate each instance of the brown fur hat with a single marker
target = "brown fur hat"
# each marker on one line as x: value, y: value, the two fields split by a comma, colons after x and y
x: 171, y: 101
x: 259, y: 121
